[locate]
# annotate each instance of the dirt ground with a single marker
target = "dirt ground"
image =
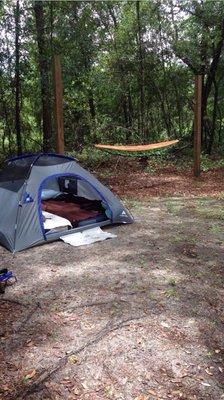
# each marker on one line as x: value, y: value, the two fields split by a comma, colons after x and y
x: 128, y: 177
x: 133, y: 318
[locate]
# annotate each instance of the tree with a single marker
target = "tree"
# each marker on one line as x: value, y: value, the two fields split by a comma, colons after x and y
x: 198, y: 41
x: 141, y: 72
x: 17, y: 78
x: 44, y: 74
x: 128, y: 70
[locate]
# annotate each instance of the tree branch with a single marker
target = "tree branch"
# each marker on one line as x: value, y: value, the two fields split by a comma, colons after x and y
x: 36, y: 386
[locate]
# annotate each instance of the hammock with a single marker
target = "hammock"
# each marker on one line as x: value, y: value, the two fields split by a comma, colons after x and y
x: 136, y: 148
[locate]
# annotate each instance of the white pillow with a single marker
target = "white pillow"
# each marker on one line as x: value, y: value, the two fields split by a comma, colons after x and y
x: 47, y: 194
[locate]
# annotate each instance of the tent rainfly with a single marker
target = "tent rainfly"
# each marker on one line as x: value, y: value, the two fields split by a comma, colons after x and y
x: 34, y: 188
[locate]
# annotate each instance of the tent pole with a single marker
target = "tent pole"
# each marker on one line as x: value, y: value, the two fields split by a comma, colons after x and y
x: 58, y: 90
x: 197, y: 125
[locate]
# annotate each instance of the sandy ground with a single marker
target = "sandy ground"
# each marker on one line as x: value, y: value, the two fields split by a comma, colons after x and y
x: 136, y: 317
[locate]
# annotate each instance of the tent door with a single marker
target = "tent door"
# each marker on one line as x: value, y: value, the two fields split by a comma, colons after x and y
x: 68, y: 182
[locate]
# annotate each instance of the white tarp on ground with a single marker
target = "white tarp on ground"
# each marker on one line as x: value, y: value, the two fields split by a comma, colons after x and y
x: 87, y: 237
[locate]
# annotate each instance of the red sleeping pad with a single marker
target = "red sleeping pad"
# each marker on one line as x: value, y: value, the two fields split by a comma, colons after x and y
x: 71, y: 211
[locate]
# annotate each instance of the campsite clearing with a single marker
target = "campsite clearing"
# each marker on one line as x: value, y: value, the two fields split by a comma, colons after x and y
x: 136, y: 317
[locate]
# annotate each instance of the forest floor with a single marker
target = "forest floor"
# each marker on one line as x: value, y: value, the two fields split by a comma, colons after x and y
x: 138, y: 317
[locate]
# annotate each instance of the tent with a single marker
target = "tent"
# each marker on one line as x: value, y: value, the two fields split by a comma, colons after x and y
x: 36, y: 188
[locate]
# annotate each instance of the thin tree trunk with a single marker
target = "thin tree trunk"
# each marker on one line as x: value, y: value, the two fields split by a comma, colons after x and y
x: 215, y: 104
x: 8, y: 132
x: 163, y: 109
x: 213, y: 69
x: 44, y: 75
x: 17, y: 79
x: 210, y: 75
x: 141, y: 72
x: 125, y: 97
x: 178, y: 102
x: 91, y: 105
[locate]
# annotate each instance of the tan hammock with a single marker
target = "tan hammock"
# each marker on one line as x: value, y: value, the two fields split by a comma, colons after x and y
x: 136, y: 148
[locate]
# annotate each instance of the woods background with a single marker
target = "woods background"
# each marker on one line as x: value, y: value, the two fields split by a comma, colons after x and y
x: 128, y: 72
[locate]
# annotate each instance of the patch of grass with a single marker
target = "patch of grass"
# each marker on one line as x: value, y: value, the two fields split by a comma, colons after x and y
x: 173, y: 207
x: 142, y: 262
x: 106, y: 174
x: 54, y: 336
x: 152, y: 297
x: 221, y: 196
x: 115, y: 309
x: 214, y: 323
x: 208, y: 213
x: 109, y: 391
x: 131, y: 202
x: 171, y: 292
x: 172, y: 282
x: 197, y: 274
x: 208, y: 210
x: 210, y: 354
x: 191, y: 240
x: 207, y: 163
x: 201, y: 202
x: 215, y: 229
x: 176, y: 239
x: 149, y: 169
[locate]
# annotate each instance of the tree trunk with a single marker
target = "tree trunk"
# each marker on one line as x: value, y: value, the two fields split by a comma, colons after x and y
x: 163, y: 109
x: 214, y: 115
x: 125, y: 97
x: 92, y: 109
x: 211, y: 77
x: 213, y: 68
x: 141, y: 72
x: 44, y: 75
x: 17, y: 79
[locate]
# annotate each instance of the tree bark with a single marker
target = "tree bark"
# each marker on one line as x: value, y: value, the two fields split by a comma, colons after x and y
x: 91, y: 105
x: 44, y: 75
x: 206, y: 90
x: 125, y: 96
x: 141, y: 73
x: 17, y: 79
x: 214, y: 116
x: 211, y: 73
x: 163, y: 108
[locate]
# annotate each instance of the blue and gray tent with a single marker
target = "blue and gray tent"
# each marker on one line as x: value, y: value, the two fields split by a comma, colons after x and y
x: 22, y: 184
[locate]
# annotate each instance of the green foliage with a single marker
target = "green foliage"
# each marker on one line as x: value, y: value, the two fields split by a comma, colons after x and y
x: 99, y: 47
x: 172, y: 282
x: 207, y: 163
x: 90, y: 157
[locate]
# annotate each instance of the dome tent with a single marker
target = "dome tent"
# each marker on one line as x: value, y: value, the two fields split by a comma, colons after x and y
x: 22, y: 183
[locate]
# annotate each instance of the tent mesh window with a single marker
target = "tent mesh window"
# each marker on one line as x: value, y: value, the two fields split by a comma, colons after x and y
x: 13, y: 172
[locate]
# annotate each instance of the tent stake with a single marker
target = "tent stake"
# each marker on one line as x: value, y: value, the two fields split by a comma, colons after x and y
x: 197, y: 125
x: 58, y: 90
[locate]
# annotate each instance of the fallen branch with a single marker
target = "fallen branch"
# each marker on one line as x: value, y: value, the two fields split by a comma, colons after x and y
x: 103, y: 303
x: 28, y: 318
x: 99, y: 303
x: 36, y: 386
x: 14, y: 302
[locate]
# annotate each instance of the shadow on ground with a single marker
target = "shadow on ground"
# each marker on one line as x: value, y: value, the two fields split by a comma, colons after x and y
x: 137, y: 317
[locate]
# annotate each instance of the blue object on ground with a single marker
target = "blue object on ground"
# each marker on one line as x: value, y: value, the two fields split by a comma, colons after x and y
x: 5, y: 276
